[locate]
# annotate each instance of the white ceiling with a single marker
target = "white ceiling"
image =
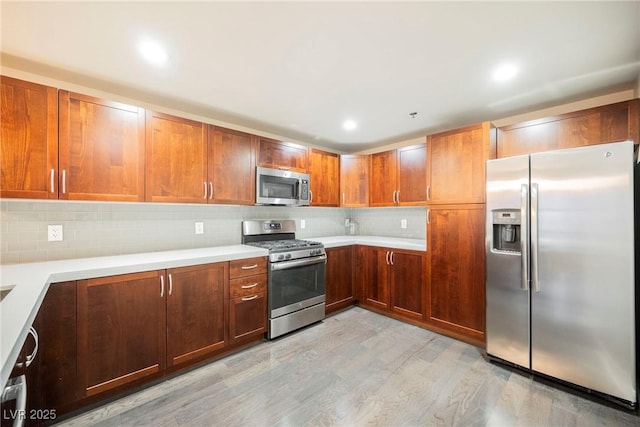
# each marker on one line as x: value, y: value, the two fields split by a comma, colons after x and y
x: 299, y: 69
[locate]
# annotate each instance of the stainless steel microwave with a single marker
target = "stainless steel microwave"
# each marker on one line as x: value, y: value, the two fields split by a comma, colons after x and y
x: 281, y: 187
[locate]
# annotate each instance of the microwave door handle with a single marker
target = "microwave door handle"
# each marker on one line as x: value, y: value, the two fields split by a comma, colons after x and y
x: 299, y: 188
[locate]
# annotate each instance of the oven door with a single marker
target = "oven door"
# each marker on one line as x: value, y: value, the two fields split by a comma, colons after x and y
x: 295, y: 285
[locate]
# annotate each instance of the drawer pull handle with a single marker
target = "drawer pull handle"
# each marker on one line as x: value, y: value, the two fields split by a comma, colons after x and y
x: 249, y: 298
x: 249, y: 286
x: 249, y: 267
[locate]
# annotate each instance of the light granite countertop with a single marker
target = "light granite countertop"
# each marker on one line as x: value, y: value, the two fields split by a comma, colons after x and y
x: 31, y: 281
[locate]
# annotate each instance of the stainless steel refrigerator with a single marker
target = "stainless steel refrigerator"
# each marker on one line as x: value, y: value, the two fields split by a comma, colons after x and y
x: 560, y: 266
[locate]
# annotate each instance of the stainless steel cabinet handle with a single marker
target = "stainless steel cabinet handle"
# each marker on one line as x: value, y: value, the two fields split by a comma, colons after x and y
x: 391, y: 258
x: 211, y: 189
x: 170, y: 284
x: 52, y: 176
x: 428, y: 216
x: 205, y: 189
x: 16, y: 389
x: 249, y: 286
x: 249, y: 298
x: 161, y: 286
x: 535, y: 281
x: 398, y: 197
x: 64, y: 181
x: 30, y: 358
x: 428, y: 192
x: 387, y: 257
x: 249, y: 267
x: 310, y: 196
x: 524, y: 237
x: 284, y: 168
x: 343, y: 199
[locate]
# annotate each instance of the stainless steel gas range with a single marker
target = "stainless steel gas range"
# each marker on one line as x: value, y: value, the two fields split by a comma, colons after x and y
x: 296, y: 274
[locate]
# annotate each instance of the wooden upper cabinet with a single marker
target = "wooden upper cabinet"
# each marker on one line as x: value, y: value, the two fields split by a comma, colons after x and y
x: 282, y: 155
x: 354, y: 180
x: 324, y: 174
x: 412, y: 175
x: 101, y: 149
x: 29, y: 140
x: 398, y: 177
x: 382, y: 180
x: 456, y: 164
x: 600, y: 125
x: 196, y: 311
x: 232, y: 166
x: 176, y: 160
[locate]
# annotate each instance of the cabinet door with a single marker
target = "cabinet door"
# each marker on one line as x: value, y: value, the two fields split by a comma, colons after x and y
x: 456, y: 164
x: 196, y: 311
x: 407, y: 283
x: 382, y: 181
x: 52, y: 378
x: 121, y: 330
x: 247, y: 316
x: 324, y: 171
x: 101, y: 149
x: 354, y: 181
x: 282, y: 155
x: 375, y: 277
x: 232, y: 166
x: 29, y: 140
x: 412, y: 175
x: 176, y: 160
x: 600, y: 125
x: 339, y: 278
x: 456, y: 265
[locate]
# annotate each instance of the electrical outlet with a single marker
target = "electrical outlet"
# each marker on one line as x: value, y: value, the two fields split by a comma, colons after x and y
x: 303, y: 223
x: 199, y: 228
x: 54, y: 233
x: 403, y: 223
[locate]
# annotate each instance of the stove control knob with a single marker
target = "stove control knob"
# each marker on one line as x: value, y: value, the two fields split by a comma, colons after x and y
x: 288, y: 256
x: 280, y: 257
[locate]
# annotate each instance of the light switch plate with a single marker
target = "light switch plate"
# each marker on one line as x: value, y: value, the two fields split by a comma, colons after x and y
x: 303, y: 223
x: 403, y: 223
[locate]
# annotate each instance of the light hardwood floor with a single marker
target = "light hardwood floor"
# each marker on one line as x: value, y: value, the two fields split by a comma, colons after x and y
x: 356, y: 368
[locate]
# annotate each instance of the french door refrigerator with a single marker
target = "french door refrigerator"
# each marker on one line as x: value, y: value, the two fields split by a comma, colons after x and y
x: 560, y: 266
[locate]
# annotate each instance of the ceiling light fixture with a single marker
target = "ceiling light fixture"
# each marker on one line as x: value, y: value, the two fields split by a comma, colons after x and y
x: 349, y: 125
x: 505, y: 72
x: 153, y: 52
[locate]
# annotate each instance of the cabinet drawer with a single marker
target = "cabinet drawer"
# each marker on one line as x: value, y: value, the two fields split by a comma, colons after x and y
x: 250, y: 285
x: 247, y: 267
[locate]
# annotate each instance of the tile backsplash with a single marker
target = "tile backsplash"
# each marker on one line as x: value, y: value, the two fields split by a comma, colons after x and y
x: 102, y: 228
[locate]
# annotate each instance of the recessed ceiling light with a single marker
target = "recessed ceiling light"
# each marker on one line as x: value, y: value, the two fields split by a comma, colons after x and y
x: 505, y: 72
x: 153, y: 52
x: 349, y: 125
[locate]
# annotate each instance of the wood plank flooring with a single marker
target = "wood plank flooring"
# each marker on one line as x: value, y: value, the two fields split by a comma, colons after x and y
x: 355, y: 368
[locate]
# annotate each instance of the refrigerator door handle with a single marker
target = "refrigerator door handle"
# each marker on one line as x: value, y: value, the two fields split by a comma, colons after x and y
x: 535, y: 283
x: 524, y: 237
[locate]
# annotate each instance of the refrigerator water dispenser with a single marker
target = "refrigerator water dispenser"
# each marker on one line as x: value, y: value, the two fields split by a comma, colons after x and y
x: 506, y: 230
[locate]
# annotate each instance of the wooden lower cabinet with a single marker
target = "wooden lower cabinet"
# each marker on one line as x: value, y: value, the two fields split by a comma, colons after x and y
x: 53, y: 387
x: 456, y: 269
x: 248, y: 299
x: 247, y: 316
x: 339, y: 278
x: 196, y: 311
x: 121, y: 330
x: 392, y: 280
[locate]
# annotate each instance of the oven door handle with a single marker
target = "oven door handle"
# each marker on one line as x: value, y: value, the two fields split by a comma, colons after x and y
x: 298, y: 263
